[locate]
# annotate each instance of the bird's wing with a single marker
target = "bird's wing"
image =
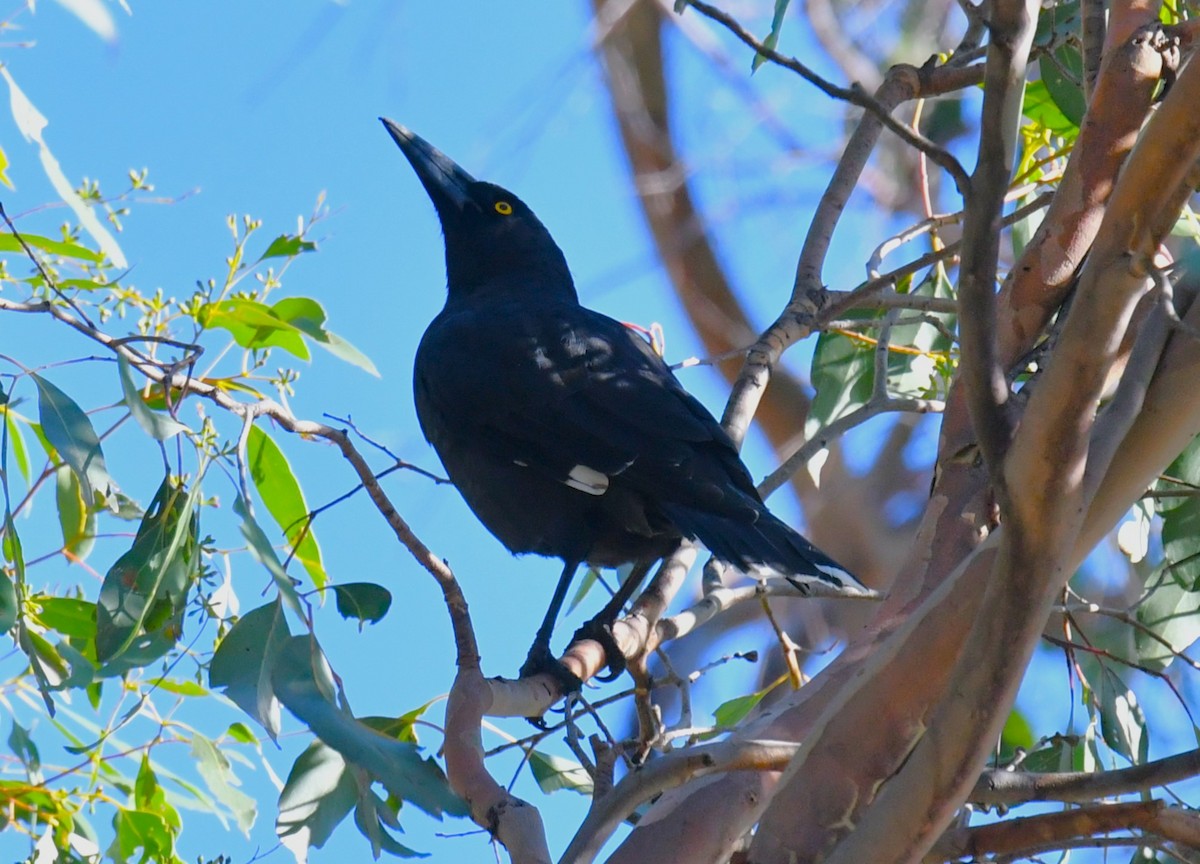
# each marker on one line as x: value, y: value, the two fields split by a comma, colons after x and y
x: 573, y: 393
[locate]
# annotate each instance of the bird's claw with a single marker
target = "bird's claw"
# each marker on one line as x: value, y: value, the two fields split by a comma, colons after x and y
x: 541, y: 659
x: 601, y: 631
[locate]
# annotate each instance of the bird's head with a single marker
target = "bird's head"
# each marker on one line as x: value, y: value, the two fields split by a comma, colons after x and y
x: 493, y: 240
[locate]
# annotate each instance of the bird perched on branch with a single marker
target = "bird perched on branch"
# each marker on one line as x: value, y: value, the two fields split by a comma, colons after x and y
x: 563, y: 429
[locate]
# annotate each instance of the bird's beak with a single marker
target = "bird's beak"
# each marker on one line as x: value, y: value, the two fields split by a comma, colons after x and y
x: 447, y: 184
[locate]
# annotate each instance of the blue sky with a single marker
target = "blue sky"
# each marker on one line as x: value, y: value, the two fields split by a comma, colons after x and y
x: 259, y: 108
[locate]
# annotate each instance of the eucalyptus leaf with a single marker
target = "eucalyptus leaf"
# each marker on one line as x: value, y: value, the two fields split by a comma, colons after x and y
x: 70, y: 432
x: 280, y: 491
x: 68, y: 616
x: 364, y: 601
x: 8, y: 602
x: 145, y: 592
x: 319, y: 793
x: 1062, y: 73
x: 253, y: 325
x: 772, y: 39
x: 287, y: 246
x: 243, y: 663
x: 262, y: 551
x: 158, y: 426
x: 301, y: 680
x: 218, y: 776
x: 307, y: 315
x: 553, y: 773
x: 1122, y: 721
x: 76, y: 520
x: 16, y: 443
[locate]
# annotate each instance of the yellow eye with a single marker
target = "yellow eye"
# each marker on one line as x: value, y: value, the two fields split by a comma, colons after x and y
x: 503, y: 208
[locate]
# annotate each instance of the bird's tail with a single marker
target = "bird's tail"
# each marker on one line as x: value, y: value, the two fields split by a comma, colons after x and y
x: 766, y: 547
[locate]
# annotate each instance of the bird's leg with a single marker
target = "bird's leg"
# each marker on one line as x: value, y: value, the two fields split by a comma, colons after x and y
x: 540, y: 658
x: 599, y: 627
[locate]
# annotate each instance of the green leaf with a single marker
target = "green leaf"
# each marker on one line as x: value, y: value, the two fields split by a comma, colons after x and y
x: 262, y: 551
x: 178, y: 687
x: 303, y: 682
x: 287, y: 246
x: 145, y: 592
x: 253, y: 325
x: 149, y: 795
x: 590, y: 578
x: 402, y: 728
x: 308, y: 316
x: 70, y: 432
x: 150, y: 832
x: 1182, y: 475
x: 365, y: 601
x: 1122, y: 722
x: 729, y: 714
x: 1172, y: 612
x: 1181, y: 516
x: 1017, y: 734
x: 275, y: 482
x: 244, y: 661
x: 1040, y: 108
x: 843, y: 374
x: 76, y: 520
x: 369, y: 818
x: 16, y: 440
x: 772, y: 38
x: 1045, y: 760
x: 241, y: 733
x: 1024, y: 229
x: 83, y: 667
x: 1062, y: 73
x: 1056, y: 21
x: 25, y: 750
x: 554, y: 772
x: 319, y: 793
x: 1181, y: 543
x: 69, y: 616
x: 914, y: 370
x: 218, y: 776
x: 9, y: 243
x: 8, y: 602
x: 13, y: 554
x: 48, y: 665
x: 1187, y: 225
x: 160, y: 427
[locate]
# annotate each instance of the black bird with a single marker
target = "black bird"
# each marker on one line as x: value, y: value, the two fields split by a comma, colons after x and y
x: 564, y: 430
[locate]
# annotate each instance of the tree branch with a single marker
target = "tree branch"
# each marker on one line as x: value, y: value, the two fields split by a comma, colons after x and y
x: 1020, y: 787
x: 1033, y: 835
x: 984, y: 379
x: 669, y: 770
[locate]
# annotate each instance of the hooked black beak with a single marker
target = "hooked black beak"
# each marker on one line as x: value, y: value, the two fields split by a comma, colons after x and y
x: 447, y: 184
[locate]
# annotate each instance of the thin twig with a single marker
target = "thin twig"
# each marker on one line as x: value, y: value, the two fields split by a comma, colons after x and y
x: 853, y: 94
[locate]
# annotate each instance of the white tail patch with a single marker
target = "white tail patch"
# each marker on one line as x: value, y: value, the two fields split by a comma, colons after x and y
x: 587, y: 480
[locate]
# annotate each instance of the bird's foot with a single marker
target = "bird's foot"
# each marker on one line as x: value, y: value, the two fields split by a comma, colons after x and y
x: 541, y: 659
x: 600, y: 630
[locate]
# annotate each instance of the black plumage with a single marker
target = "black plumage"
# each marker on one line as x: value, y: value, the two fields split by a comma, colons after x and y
x: 565, y: 432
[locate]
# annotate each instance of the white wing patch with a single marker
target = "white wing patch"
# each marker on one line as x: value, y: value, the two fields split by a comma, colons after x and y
x: 587, y: 480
